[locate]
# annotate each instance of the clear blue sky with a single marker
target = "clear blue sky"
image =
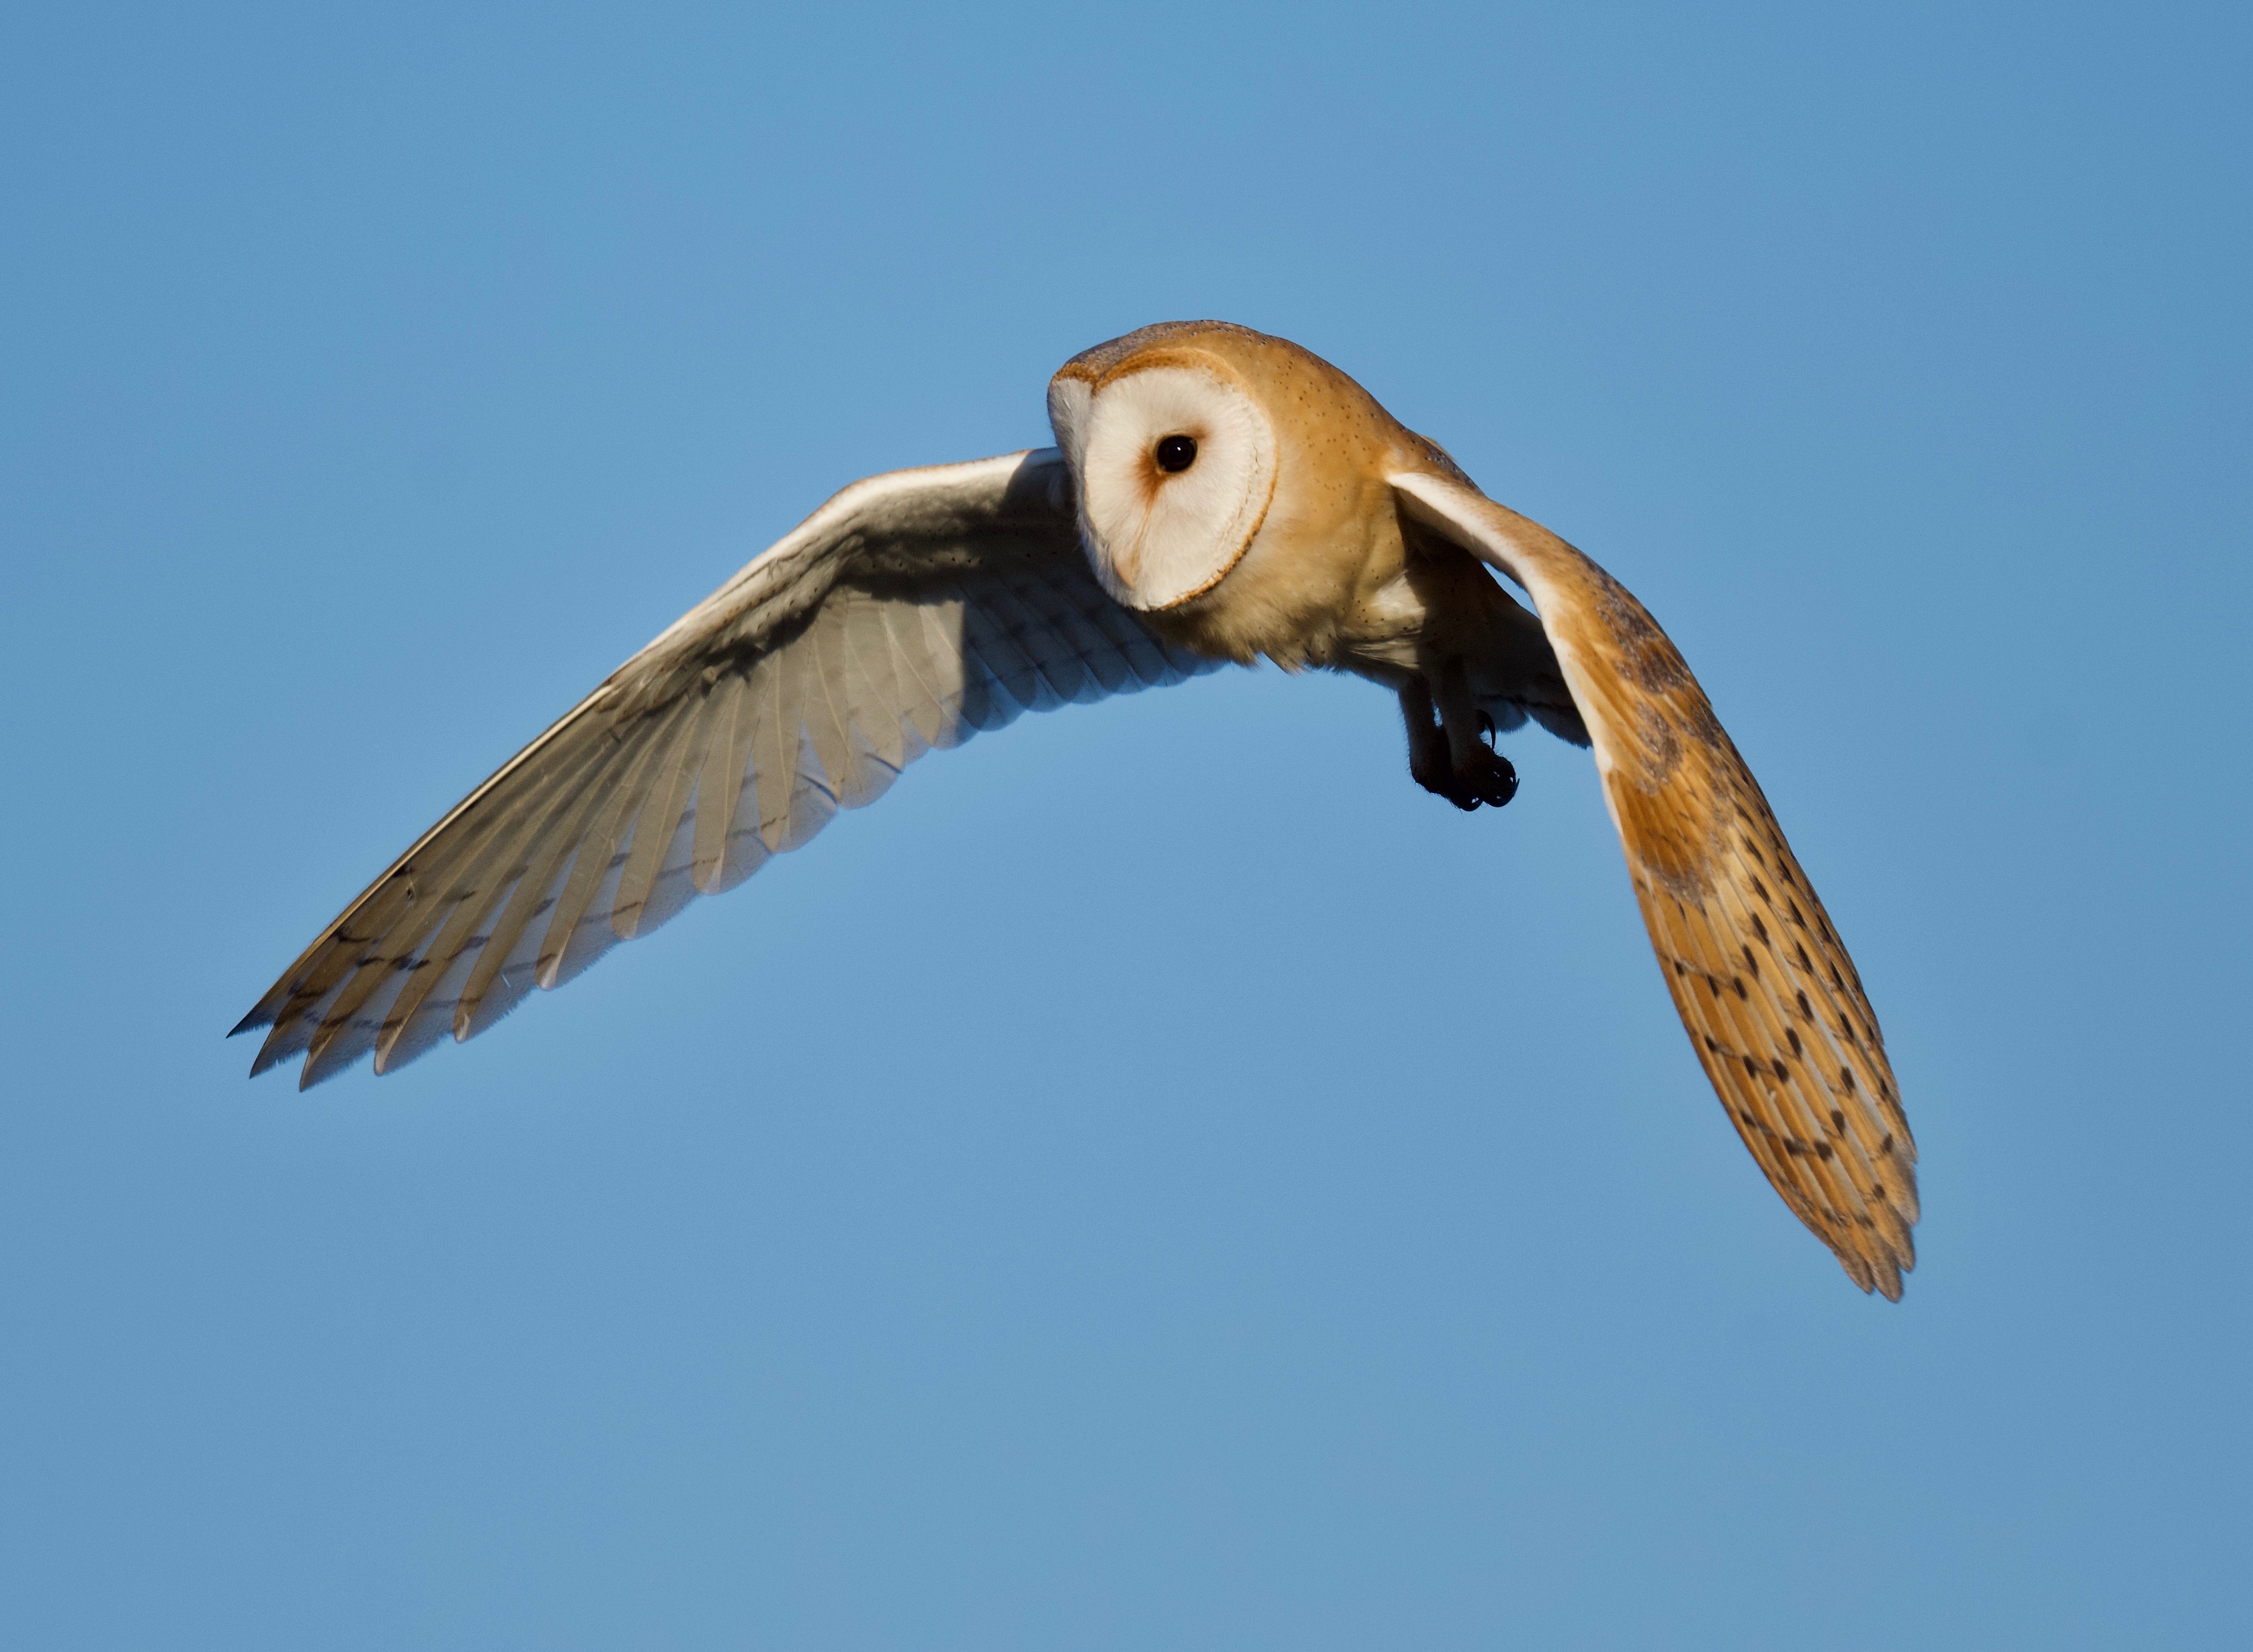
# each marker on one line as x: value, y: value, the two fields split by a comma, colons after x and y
x: 1159, y: 1178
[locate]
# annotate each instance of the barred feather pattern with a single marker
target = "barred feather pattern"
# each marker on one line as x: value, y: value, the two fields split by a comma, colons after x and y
x: 1774, y: 1005
x: 912, y: 611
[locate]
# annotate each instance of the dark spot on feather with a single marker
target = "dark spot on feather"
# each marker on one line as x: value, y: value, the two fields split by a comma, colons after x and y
x: 1738, y: 981
x: 1805, y: 962
x: 1752, y: 1068
x: 1714, y: 983
x: 1806, y: 1008
x: 1648, y: 657
x: 1866, y: 1221
x: 1887, y: 1145
x: 1822, y: 1151
x: 1835, y: 981
x: 1759, y: 929
x: 1794, y: 1146
x: 1752, y: 964
x: 1681, y: 968
x: 1759, y: 890
x: 1794, y: 907
x: 1712, y: 1044
x: 1845, y: 1028
x: 1839, y: 1121
x: 1876, y: 1189
x: 1746, y: 1113
x: 1783, y: 1071
x: 1847, y: 1077
x: 1884, y: 1090
x: 1792, y: 1033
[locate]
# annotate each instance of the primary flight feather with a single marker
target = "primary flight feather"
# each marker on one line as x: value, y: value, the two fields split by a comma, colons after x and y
x: 1216, y: 495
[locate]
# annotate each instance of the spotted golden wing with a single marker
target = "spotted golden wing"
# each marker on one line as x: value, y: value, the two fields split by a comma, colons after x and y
x: 1771, y: 1001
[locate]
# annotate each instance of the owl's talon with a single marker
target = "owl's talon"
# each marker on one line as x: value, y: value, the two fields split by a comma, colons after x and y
x: 1491, y: 778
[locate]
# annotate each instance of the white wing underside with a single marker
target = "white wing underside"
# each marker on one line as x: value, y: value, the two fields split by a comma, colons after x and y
x: 911, y: 612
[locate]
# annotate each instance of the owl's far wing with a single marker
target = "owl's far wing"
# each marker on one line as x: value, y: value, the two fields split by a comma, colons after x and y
x: 1772, y: 1003
x: 912, y: 611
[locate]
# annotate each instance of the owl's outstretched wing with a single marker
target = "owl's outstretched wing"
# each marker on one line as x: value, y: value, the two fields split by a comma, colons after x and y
x: 909, y: 612
x: 1770, y: 999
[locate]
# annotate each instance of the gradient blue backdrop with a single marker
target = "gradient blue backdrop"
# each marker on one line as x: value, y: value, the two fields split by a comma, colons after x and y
x: 1159, y: 1179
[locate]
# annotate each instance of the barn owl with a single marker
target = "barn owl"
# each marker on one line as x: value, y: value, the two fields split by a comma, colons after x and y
x: 1215, y: 495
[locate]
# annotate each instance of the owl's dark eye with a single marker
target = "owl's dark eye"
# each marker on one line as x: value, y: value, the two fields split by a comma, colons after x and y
x: 1177, y: 453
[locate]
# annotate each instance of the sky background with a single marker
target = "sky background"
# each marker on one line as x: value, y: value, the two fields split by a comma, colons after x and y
x: 1160, y: 1178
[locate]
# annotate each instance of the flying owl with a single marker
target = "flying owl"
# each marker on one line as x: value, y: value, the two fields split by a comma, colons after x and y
x: 1215, y: 496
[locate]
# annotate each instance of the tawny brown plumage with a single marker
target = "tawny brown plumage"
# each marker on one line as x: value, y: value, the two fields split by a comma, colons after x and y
x: 1216, y: 495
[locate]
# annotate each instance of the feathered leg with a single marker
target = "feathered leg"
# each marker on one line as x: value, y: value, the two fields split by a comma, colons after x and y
x: 1447, y: 753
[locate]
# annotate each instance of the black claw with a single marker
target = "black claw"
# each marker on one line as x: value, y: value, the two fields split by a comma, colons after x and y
x: 1493, y: 781
x: 1487, y: 777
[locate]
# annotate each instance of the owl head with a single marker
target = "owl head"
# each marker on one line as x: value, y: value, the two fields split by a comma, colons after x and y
x: 1174, y: 458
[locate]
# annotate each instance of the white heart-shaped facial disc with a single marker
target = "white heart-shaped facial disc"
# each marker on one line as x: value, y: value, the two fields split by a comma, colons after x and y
x: 1159, y: 532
